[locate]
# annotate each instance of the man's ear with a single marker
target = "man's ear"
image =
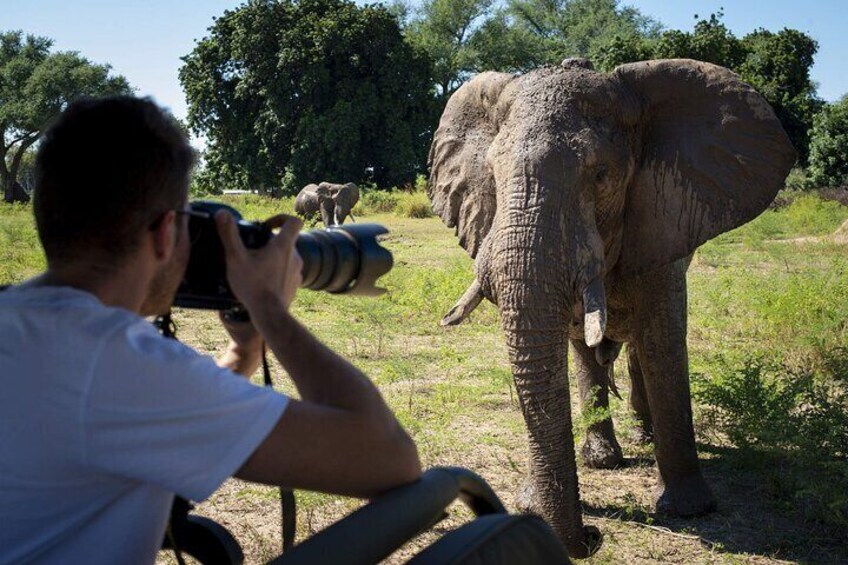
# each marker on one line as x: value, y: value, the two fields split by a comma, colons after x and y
x: 164, y: 236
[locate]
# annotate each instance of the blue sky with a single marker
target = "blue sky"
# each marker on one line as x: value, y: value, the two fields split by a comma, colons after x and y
x: 144, y: 40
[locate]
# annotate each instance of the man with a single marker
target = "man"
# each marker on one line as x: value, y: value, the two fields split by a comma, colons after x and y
x: 103, y: 420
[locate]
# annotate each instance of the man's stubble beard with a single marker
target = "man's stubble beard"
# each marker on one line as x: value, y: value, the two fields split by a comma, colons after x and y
x: 166, y: 281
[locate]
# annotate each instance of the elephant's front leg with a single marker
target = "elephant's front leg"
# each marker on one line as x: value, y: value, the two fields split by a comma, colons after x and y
x: 663, y: 358
x: 600, y: 449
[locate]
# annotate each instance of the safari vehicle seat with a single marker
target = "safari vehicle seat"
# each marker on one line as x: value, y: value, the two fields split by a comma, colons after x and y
x: 373, y: 532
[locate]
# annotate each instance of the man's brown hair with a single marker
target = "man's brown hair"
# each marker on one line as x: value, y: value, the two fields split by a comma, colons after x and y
x: 105, y: 171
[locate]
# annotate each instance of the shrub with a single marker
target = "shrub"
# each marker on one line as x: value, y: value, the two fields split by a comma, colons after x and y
x: 404, y: 203
x: 413, y: 205
x: 797, y: 180
x: 798, y: 415
x: 376, y: 202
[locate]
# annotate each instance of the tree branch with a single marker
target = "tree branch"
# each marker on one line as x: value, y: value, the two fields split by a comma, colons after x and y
x: 23, y: 138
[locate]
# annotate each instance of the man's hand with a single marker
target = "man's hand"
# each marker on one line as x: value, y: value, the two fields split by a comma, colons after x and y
x: 272, y: 273
x: 245, y: 349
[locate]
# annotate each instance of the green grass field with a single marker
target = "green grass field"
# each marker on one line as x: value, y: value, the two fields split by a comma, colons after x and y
x: 768, y: 308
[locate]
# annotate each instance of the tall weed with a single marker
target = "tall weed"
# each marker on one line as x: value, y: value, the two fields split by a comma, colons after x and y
x: 806, y: 215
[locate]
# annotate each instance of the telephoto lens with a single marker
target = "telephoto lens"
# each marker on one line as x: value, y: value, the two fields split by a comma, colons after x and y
x: 340, y: 259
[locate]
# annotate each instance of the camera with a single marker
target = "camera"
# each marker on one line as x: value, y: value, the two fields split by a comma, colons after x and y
x: 340, y: 259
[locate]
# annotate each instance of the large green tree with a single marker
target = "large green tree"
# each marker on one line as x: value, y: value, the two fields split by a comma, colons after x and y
x: 829, y: 145
x: 290, y: 92
x: 35, y: 86
x: 778, y: 66
x: 464, y: 37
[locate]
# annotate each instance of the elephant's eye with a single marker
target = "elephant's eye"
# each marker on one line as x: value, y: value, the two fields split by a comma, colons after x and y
x: 601, y: 173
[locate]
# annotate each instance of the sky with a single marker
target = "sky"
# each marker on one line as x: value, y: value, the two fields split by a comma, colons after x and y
x: 144, y: 40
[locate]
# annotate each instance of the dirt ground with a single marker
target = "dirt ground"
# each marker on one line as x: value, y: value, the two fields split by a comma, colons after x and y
x: 452, y: 390
x: 745, y: 529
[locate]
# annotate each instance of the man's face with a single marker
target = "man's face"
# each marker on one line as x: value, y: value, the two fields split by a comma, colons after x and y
x: 165, y: 282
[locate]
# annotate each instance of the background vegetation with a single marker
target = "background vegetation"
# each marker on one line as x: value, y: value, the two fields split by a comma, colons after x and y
x: 287, y: 92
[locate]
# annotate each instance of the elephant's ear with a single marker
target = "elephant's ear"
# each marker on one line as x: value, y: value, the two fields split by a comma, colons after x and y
x: 713, y: 157
x: 461, y: 185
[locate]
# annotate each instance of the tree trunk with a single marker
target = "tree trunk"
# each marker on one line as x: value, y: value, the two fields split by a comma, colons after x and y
x: 12, y: 190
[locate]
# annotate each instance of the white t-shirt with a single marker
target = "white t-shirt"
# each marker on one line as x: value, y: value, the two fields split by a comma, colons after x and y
x: 102, y: 420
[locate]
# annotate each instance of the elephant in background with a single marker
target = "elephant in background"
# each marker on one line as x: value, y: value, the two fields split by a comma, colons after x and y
x: 581, y: 197
x: 333, y: 201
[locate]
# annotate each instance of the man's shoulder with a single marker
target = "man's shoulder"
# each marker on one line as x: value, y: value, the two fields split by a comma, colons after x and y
x: 83, y: 322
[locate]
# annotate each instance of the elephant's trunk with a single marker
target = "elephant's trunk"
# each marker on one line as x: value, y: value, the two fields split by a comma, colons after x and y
x: 545, y: 255
x: 535, y: 301
x: 538, y: 352
x: 327, y: 209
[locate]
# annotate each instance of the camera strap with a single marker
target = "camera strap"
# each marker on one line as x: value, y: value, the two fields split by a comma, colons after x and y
x: 288, y: 505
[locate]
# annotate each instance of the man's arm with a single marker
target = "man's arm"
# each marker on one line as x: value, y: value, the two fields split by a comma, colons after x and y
x: 340, y: 437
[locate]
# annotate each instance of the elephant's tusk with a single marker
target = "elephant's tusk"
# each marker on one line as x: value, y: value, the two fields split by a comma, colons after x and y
x: 464, y: 306
x: 611, y: 378
x: 595, y: 312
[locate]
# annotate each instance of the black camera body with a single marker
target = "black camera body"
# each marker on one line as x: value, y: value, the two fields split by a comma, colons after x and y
x: 341, y: 259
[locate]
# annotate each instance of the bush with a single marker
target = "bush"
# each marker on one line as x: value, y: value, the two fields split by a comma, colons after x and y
x: 798, y: 180
x: 404, y: 203
x: 413, y: 205
x: 829, y: 139
x: 375, y: 201
x: 798, y: 415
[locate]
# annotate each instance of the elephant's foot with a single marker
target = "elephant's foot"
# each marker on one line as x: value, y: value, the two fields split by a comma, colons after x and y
x: 526, y: 500
x: 588, y: 539
x: 601, y: 451
x: 586, y: 547
x: 685, y: 497
x: 643, y: 434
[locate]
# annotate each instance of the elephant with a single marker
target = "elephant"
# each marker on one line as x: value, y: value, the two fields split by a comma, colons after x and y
x: 581, y: 197
x: 333, y: 201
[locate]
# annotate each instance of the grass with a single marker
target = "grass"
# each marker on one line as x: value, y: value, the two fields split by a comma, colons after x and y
x: 755, y: 296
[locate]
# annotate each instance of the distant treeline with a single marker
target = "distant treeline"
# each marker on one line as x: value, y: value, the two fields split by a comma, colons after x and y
x: 287, y: 92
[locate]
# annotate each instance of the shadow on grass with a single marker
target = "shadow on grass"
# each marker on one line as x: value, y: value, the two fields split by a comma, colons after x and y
x: 758, y: 510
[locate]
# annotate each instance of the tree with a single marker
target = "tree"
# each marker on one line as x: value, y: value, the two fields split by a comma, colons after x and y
x: 444, y: 29
x: 35, y: 87
x: 778, y: 66
x: 291, y: 92
x: 499, y: 44
x: 828, y: 143
x: 709, y: 41
x: 579, y: 28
